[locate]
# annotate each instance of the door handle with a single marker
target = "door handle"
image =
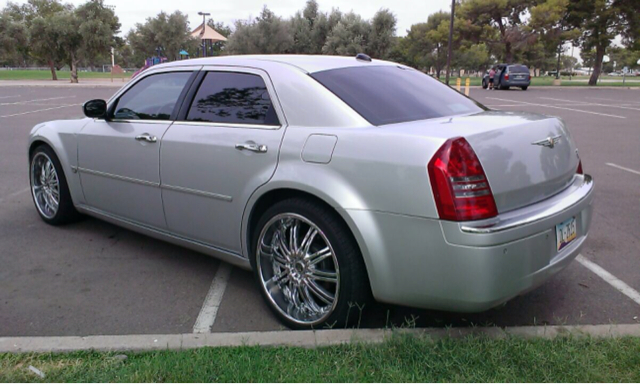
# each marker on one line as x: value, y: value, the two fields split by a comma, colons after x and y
x: 147, y: 137
x: 252, y: 147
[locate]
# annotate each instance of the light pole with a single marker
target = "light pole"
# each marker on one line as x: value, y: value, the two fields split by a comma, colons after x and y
x: 204, y: 42
x: 453, y: 9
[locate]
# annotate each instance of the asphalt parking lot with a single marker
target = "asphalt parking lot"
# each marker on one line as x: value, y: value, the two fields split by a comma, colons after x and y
x: 93, y: 278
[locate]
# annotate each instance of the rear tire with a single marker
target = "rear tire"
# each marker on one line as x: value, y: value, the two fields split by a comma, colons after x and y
x: 49, y: 188
x: 524, y: 88
x: 316, y: 281
x: 484, y: 84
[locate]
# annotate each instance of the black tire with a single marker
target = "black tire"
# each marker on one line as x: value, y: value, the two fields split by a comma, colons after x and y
x: 354, y: 291
x: 524, y: 88
x: 66, y: 213
x: 484, y: 84
x: 506, y: 87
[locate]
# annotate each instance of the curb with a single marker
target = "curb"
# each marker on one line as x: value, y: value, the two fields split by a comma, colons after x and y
x: 308, y: 339
x: 61, y: 84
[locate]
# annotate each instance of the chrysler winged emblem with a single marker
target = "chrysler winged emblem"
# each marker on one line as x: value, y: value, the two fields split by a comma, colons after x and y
x: 549, y: 142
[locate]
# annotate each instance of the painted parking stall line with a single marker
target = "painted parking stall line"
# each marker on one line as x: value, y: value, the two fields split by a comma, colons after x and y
x: 30, y: 101
x: 596, y: 104
x: 623, y: 168
x: 609, y: 278
x: 209, y: 311
x: 41, y: 110
x: 14, y: 194
x: 556, y: 107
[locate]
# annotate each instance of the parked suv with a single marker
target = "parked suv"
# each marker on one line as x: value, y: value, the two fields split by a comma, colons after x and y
x: 509, y: 75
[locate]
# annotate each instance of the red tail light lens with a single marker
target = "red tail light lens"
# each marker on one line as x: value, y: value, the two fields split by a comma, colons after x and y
x: 579, y: 170
x: 460, y: 186
x: 506, y: 76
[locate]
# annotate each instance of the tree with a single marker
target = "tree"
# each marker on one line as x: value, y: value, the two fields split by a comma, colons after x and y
x: 165, y: 34
x: 349, y: 37
x: 601, y: 21
x: 13, y: 36
x: 99, y: 27
x: 267, y: 33
x: 382, y: 34
x: 504, y: 16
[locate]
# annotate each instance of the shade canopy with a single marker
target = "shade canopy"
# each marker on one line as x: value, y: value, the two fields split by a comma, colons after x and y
x: 209, y: 34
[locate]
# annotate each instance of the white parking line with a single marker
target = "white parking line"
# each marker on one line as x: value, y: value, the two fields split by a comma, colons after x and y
x: 623, y: 168
x: 14, y: 194
x: 41, y: 110
x: 8, y: 97
x: 618, y: 101
x: 553, y: 106
x: 29, y: 101
x: 598, y: 104
x: 609, y: 278
x: 209, y: 310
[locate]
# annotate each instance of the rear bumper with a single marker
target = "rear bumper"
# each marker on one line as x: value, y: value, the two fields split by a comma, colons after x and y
x: 436, y: 264
x: 516, y: 83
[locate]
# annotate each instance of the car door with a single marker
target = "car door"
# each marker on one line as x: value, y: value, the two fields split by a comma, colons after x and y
x: 118, y: 157
x: 224, y: 148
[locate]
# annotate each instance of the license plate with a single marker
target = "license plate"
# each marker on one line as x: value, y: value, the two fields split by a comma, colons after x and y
x: 565, y: 233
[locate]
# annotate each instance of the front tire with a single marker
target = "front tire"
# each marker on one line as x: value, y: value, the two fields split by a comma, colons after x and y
x: 484, y: 84
x: 308, y: 266
x: 49, y: 188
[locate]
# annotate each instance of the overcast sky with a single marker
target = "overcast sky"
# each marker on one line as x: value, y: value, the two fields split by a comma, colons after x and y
x: 132, y: 11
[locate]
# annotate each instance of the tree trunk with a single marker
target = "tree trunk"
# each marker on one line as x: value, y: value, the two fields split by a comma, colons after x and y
x: 597, y: 66
x: 73, y: 65
x: 54, y: 76
x: 508, y: 55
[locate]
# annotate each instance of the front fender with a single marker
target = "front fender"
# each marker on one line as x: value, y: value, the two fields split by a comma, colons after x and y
x: 61, y: 136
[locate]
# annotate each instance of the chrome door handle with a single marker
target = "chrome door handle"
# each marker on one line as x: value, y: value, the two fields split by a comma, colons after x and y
x: 252, y: 147
x: 147, y: 137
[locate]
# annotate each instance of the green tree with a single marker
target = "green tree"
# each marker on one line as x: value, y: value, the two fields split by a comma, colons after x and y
x: 349, y: 37
x: 601, y: 21
x: 165, y: 34
x: 267, y: 33
x: 99, y: 27
x: 382, y: 35
x: 13, y: 37
x: 499, y: 23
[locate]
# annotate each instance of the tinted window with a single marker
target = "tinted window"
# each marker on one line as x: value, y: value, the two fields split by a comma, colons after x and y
x: 518, y: 69
x: 390, y: 94
x: 233, y: 98
x: 152, y: 98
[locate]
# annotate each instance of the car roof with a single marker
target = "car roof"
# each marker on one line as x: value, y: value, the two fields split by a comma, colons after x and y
x: 305, y: 63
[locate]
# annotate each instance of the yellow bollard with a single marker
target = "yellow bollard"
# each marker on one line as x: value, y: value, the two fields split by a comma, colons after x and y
x: 458, y: 84
x: 466, y: 86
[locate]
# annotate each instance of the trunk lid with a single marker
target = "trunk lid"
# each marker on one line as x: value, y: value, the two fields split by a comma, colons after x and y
x: 520, y: 172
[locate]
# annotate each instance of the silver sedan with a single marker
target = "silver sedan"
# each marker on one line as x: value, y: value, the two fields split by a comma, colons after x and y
x: 337, y: 180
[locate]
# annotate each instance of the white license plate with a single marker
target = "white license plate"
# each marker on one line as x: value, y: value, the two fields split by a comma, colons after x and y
x: 565, y: 233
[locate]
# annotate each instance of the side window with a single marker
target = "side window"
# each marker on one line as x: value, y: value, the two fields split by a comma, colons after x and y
x: 233, y: 98
x: 152, y: 98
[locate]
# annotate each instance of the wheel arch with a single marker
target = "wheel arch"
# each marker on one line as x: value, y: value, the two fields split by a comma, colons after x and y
x: 261, y: 201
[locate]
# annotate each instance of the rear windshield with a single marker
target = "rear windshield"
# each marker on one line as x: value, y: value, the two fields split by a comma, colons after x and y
x: 391, y: 94
x: 518, y: 69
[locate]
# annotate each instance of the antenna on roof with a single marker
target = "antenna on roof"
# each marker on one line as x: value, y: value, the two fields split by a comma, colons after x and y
x: 363, y: 57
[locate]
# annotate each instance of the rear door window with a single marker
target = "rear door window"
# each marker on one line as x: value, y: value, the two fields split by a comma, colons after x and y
x: 518, y: 69
x: 393, y: 94
x: 152, y: 98
x: 233, y: 98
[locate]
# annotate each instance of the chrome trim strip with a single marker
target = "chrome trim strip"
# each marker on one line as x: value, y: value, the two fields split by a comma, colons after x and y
x: 197, y: 192
x: 227, y: 125
x: 131, y: 121
x: 117, y: 177
x: 581, y: 192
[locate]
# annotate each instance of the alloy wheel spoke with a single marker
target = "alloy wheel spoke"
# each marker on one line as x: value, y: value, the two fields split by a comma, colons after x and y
x: 293, y: 237
x: 308, y: 300
x: 319, y: 291
x: 320, y: 255
x: 307, y: 240
x: 320, y: 275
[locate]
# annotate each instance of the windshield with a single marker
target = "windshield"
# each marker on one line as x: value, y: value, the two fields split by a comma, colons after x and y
x: 393, y: 94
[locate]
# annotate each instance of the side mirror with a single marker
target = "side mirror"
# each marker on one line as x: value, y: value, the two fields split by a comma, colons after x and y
x: 95, y: 109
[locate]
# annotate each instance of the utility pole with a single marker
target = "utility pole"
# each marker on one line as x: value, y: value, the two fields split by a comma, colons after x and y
x: 204, y: 42
x: 453, y: 9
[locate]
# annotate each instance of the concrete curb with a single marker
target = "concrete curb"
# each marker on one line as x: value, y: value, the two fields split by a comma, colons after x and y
x: 306, y: 339
x: 61, y: 84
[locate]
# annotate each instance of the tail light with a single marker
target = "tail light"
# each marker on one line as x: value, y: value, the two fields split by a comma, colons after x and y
x: 579, y: 170
x: 460, y: 186
x: 506, y: 76
x: 529, y: 77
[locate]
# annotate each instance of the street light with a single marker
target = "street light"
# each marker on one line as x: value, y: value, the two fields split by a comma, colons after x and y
x: 204, y: 42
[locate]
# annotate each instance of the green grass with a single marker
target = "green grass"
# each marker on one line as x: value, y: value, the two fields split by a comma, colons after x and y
x: 25, y: 74
x: 579, y: 81
x: 402, y: 359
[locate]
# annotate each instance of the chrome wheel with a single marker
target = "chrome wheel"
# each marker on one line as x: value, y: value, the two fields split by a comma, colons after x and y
x: 298, y: 269
x: 45, y: 185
